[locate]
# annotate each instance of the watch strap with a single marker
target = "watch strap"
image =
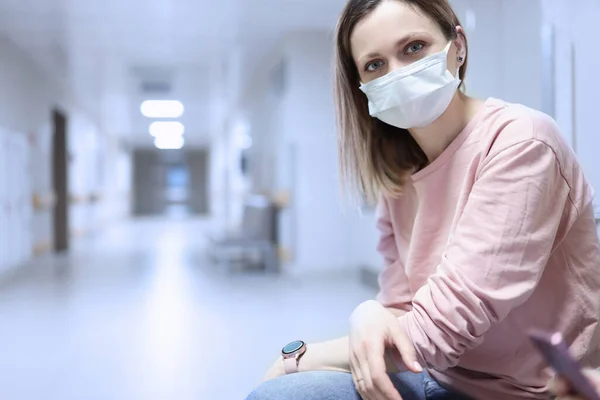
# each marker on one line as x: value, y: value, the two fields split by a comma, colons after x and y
x: 290, y: 365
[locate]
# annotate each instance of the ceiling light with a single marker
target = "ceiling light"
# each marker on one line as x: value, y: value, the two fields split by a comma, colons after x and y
x: 169, y: 142
x: 243, y: 142
x: 166, y: 128
x: 162, y: 108
x: 241, y: 134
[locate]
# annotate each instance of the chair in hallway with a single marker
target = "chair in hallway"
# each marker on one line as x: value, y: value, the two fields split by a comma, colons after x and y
x: 258, y: 234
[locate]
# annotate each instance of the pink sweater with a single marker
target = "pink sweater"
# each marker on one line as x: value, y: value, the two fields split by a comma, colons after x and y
x: 494, y: 237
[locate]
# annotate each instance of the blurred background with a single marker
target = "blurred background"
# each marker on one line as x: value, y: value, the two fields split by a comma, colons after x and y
x: 170, y: 214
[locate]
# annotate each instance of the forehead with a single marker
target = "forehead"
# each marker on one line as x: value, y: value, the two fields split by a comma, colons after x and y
x: 389, y: 22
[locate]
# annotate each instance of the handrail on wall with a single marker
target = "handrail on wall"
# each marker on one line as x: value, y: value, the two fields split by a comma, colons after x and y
x: 47, y: 201
x: 90, y: 198
x: 44, y: 201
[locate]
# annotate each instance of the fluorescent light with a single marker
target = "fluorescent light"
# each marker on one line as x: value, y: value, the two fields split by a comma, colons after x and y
x: 162, y: 108
x: 241, y: 135
x: 169, y: 142
x: 243, y: 141
x: 241, y: 128
x: 166, y: 128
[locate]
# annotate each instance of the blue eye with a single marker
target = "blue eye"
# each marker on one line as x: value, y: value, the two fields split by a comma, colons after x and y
x: 414, y: 48
x: 373, y: 65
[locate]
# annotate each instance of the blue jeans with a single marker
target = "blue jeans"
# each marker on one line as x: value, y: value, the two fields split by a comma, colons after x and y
x: 321, y: 385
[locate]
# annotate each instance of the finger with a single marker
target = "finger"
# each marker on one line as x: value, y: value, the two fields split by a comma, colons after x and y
x: 357, y: 377
x: 363, y: 392
x: 382, y: 384
x: 359, y: 359
x: 406, y: 349
x: 356, y: 383
x: 366, y: 383
x: 559, y: 386
x: 272, y: 373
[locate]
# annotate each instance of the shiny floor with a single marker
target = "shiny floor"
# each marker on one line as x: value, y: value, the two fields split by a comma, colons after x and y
x: 137, y: 312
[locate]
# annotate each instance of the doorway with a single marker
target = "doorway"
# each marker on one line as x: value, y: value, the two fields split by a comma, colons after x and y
x: 197, y: 162
x: 170, y: 182
x: 149, y: 180
x: 177, y: 189
x: 60, y: 164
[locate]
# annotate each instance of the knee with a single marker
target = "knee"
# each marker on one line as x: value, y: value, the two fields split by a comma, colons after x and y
x: 268, y: 390
x: 261, y: 393
x: 307, y: 386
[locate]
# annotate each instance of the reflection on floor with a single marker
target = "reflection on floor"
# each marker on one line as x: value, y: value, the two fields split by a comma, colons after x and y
x: 138, y: 313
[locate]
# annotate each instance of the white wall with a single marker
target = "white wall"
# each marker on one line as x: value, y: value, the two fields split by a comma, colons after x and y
x: 98, y: 166
x: 27, y: 96
x: 218, y: 181
x: 115, y: 181
x: 521, y: 55
x: 576, y: 99
x: 505, y: 50
x: 290, y: 110
x: 15, y: 191
x: 24, y: 97
x: 308, y: 119
x: 83, y: 147
x: 227, y: 184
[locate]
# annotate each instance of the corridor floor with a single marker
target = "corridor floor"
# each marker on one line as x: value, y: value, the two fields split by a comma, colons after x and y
x: 138, y: 313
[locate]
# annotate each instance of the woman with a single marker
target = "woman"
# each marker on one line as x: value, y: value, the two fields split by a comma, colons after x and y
x: 486, y: 222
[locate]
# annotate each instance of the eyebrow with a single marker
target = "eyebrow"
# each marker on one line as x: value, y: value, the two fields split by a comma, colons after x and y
x: 399, y: 43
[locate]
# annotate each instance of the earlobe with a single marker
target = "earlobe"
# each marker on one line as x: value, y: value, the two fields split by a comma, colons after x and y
x: 459, y: 42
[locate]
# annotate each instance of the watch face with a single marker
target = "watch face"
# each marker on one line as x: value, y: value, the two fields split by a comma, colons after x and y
x: 293, y: 347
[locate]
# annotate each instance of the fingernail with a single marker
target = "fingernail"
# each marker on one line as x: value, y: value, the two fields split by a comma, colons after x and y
x: 418, y: 366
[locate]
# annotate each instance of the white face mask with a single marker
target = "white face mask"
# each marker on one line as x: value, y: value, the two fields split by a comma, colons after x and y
x: 413, y: 96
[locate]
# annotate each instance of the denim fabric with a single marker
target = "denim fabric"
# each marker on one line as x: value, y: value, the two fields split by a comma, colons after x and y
x: 321, y: 385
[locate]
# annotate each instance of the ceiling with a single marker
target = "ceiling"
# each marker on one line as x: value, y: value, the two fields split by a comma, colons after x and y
x: 202, y: 51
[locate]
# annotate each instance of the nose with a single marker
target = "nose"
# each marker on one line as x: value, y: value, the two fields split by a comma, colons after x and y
x: 395, y: 64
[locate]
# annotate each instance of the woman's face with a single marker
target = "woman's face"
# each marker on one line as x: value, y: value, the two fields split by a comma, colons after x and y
x: 393, y: 36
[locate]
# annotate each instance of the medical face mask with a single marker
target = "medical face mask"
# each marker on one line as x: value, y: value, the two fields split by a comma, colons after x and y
x: 413, y: 96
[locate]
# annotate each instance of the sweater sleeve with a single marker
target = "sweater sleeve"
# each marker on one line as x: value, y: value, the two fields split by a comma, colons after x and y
x: 394, y: 290
x: 496, y: 256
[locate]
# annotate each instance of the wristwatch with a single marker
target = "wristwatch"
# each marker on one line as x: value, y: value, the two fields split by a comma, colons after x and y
x: 291, y: 354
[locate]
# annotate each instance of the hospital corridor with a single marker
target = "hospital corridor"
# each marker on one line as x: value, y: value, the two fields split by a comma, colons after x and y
x: 190, y: 187
x: 138, y: 312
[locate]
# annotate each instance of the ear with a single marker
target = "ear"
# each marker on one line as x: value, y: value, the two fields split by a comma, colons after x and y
x: 461, y: 46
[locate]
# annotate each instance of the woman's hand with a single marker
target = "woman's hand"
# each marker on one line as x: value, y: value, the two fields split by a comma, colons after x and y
x: 373, y: 330
x: 561, y: 388
x: 276, y: 370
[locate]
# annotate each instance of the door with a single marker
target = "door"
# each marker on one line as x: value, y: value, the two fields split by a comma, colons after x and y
x: 149, y: 180
x: 60, y: 181
x: 197, y: 162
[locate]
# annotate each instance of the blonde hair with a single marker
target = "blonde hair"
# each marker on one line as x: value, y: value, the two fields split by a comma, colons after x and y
x: 376, y: 157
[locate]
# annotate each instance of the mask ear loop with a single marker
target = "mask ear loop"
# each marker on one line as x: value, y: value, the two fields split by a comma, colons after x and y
x: 447, y: 49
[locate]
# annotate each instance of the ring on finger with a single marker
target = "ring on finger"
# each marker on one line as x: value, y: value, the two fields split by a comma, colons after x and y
x: 358, y: 383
